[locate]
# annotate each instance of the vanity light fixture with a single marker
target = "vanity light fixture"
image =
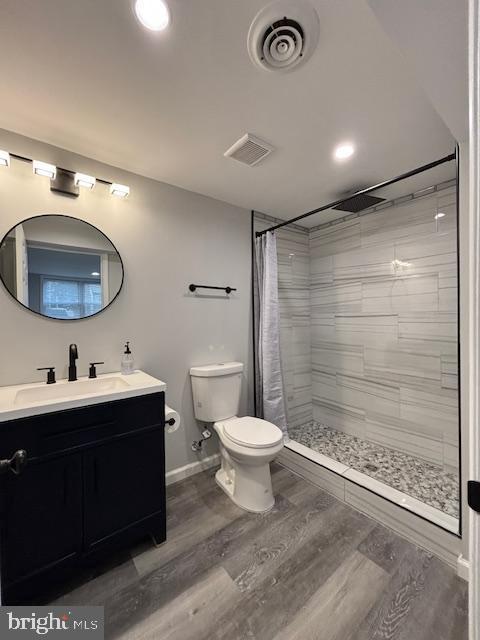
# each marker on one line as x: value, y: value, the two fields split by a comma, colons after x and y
x: 84, y: 180
x: 119, y: 190
x: 344, y: 151
x: 4, y: 158
x: 152, y: 14
x: 44, y: 169
x: 74, y: 179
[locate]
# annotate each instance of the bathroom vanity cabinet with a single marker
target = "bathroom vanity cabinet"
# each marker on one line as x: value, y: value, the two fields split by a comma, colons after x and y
x: 94, y: 482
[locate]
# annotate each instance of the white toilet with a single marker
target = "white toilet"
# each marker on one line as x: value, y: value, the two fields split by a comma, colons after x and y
x: 247, y: 445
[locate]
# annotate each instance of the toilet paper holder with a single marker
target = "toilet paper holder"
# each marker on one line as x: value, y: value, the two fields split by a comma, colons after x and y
x: 171, y: 420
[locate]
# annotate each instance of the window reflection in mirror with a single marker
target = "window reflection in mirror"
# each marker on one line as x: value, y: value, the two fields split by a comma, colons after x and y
x: 60, y: 267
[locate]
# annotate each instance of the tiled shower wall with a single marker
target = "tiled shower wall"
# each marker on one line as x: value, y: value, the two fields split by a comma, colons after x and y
x: 295, y: 322
x: 383, y: 310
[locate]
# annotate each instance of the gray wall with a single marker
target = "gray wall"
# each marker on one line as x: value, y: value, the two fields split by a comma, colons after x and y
x: 167, y: 237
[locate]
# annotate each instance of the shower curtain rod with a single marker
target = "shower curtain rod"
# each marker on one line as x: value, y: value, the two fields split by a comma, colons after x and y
x: 386, y: 183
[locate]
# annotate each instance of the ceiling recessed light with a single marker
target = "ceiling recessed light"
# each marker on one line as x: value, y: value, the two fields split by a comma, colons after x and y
x: 44, y: 169
x: 4, y: 158
x: 344, y: 151
x: 438, y: 215
x: 83, y: 180
x: 95, y: 273
x: 119, y: 190
x: 153, y: 14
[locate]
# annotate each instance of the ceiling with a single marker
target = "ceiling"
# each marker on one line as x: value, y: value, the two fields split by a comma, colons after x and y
x: 86, y: 77
x: 432, y: 36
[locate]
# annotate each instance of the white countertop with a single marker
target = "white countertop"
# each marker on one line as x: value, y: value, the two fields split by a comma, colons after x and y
x: 21, y: 401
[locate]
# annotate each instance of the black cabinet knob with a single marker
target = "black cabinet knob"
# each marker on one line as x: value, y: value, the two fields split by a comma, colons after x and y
x: 16, y: 463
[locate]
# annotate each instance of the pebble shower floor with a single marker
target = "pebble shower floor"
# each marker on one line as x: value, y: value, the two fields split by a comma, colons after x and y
x: 415, y: 477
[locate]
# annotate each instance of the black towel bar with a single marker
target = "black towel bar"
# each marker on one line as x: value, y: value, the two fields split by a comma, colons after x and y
x: 194, y: 287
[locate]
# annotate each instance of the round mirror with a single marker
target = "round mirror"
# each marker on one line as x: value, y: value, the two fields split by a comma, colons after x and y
x: 60, y: 267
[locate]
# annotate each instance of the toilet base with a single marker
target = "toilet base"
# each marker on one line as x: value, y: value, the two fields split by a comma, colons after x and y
x: 249, y: 491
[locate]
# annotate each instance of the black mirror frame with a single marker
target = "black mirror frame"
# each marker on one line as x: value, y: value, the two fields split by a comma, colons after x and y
x: 37, y: 313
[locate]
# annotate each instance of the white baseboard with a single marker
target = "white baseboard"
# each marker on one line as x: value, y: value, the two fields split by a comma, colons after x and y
x: 463, y: 568
x: 175, y: 475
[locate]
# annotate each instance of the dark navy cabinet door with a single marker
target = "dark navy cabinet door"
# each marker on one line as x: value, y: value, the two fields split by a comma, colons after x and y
x: 42, y: 523
x: 124, y: 484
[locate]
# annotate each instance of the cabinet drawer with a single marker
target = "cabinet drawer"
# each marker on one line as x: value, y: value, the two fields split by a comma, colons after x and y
x: 50, y: 433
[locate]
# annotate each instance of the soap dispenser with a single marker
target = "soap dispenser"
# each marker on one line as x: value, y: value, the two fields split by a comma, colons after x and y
x: 127, y: 361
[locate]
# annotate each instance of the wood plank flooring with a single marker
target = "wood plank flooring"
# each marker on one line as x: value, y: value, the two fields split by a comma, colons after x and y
x: 310, y: 569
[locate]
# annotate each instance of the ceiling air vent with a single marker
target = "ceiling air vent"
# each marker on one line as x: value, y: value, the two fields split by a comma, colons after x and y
x: 249, y: 150
x: 283, y: 35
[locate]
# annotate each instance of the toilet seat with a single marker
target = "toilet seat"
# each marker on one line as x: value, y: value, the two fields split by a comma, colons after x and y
x: 253, y: 433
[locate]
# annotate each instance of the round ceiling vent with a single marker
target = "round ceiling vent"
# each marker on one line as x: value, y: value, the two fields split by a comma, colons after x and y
x: 283, y: 35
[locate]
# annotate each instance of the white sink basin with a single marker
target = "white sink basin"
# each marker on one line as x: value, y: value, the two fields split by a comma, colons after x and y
x: 69, y: 390
x: 36, y: 398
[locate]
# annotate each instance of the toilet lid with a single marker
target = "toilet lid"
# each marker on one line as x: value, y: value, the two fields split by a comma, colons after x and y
x: 252, y: 432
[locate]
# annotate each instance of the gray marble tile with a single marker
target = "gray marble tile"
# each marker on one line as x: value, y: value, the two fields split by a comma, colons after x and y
x: 437, y: 411
x: 449, y: 366
x: 322, y: 327
x: 406, y: 437
x: 413, y: 293
x: 366, y: 329
x: 321, y: 270
x: 411, y: 220
x: 348, y: 391
x: 434, y: 250
x: 428, y: 326
x: 447, y: 299
x: 332, y: 357
x: 295, y: 339
x: 367, y: 262
x: 337, y: 297
x: 345, y: 419
x: 447, y: 278
x: 364, y: 394
x: 398, y: 364
x: 336, y: 239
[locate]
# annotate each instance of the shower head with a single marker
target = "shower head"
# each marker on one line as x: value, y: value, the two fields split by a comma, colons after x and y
x: 358, y: 203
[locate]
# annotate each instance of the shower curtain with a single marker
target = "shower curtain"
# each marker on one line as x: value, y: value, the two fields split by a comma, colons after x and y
x: 270, y: 393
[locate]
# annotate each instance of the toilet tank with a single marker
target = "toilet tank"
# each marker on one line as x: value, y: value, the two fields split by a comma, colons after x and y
x: 216, y: 390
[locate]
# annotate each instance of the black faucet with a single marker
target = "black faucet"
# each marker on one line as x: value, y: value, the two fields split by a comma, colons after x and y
x: 72, y: 367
